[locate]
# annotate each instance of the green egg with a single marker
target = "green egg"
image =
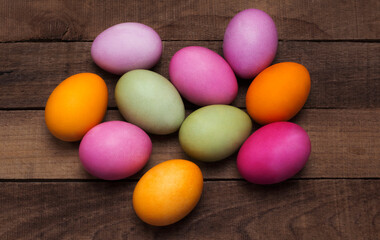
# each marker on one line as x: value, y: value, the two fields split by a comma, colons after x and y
x: 150, y: 101
x: 214, y: 132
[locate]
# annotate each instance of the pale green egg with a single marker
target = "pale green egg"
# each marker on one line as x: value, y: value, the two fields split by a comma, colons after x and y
x: 150, y: 101
x: 214, y: 132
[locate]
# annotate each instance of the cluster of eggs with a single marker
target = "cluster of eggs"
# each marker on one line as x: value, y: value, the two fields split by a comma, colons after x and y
x: 151, y: 103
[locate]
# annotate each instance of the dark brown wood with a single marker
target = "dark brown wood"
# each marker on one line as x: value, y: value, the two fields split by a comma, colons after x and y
x: 345, y: 144
x: 343, y: 74
x: 185, y: 20
x: 46, y: 194
x: 319, y: 209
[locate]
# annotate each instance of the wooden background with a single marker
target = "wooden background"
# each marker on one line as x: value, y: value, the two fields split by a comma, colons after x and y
x: 46, y: 194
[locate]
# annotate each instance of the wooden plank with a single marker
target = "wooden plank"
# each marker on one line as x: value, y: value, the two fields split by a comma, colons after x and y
x: 344, y: 75
x: 345, y: 144
x: 322, y: 209
x: 185, y: 20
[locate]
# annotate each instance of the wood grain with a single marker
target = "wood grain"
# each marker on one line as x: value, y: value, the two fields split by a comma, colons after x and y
x: 185, y: 20
x: 46, y: 194
x: 343, y: 75
x: 345, y: 144
x: 322, y: 209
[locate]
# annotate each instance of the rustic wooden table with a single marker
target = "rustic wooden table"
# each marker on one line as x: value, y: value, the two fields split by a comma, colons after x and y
x: 46, y: 194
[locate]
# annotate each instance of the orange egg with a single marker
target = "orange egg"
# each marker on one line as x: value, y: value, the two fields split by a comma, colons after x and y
x: 76, y: 105
x: 168, y: 192
x: 278, y: 93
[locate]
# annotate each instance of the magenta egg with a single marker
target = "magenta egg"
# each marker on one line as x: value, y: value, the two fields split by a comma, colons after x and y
x: 202, y: 76
x: 126, y: 46
x: 250, y: 42
x: 114, y: 150
x: 274, y: 153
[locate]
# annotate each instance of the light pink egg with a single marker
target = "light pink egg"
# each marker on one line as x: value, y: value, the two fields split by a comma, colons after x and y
x: 250, y: 42
x: 115, y: 150
x: 274, y: 153
x: 126, y: 46
x: 202, y: 76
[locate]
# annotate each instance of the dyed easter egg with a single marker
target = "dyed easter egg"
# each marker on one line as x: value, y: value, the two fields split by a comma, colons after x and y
x: 202, y: 76
x: 250, y: 42
x: 278, y: 93
x: 75, y: 106
x: 150, y: 101
x: 168, y: 192
x: 274, y: 153
x: 214, y: 132
x: 114, y: 150
x: 126, y: 46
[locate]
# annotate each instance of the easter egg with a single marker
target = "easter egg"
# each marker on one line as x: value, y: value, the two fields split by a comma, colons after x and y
x: 150, y: 101
x: 126, y: 46
x: 214, y: 132
x: 168, y: 192
x: 75, y: 106
x: 202, y: 76
x: 274, y: 153
x: 114, y: 150
x: 278, y: 93
x: 250, y: 42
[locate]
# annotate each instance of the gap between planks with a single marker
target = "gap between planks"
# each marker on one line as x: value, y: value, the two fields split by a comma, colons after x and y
x: 127, y: 180
x: 186, y: 40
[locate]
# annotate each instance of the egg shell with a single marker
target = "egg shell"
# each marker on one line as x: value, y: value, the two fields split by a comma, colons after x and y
x: 274, y: 153
x: 278, y: 93
x: 168, y: 192
x: 75, y: 106
x: 214, y: 132
x: 202, y: 76
x: 250, y: 42
x: 126, y: 46
x: 114, y: 150
x: 150, y: 101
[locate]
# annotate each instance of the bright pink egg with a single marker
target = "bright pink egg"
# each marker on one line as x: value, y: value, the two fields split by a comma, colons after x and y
x: 202, y: 76
x: 115, y: 150
x: 250, y: 42
x: 274, y: 153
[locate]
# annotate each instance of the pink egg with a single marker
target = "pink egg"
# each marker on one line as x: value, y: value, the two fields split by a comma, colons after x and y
x: 250, y: 42
x: 115, y: 150
x: 274, y: 153
x: 125, y: 47
x: 202, y: 76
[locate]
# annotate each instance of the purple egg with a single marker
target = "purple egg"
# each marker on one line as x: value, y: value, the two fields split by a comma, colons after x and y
x: 115, y: 150
x: 250, y: 42
x: 126, y: 46
x: 202, y: 76
x: 274, y: 153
